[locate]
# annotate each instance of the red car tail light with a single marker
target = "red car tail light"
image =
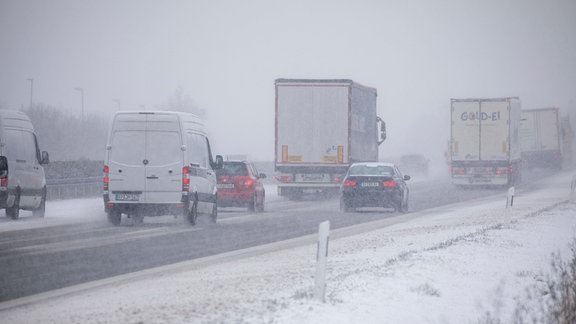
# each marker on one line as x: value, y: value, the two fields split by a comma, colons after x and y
x: 389, y: 184
x: 248, y: 183
x: 349, y: 183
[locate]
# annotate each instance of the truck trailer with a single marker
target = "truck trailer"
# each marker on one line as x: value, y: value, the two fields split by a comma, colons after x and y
x: 541, y: 138
x: 323, y: 126
x: 485, y: 144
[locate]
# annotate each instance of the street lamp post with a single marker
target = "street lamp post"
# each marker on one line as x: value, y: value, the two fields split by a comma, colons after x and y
x: 31, y: 90
x: 81, y: 90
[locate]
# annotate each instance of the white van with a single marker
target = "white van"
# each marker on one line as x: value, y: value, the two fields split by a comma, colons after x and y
x: 22, y: 179
x: 159, y: 163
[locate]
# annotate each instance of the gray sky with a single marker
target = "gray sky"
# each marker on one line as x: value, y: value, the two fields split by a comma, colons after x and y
x: 227, y: 54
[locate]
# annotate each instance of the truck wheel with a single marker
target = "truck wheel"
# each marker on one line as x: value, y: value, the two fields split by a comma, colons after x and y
x: 114, y: 217
x: 41, y: 210
x: 14, y: 211
x: 192, y: 215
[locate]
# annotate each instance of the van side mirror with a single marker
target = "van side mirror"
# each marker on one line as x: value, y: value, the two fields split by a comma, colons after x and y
x: 3, y: 167
x: 45, y: 158
x: 218, y: 163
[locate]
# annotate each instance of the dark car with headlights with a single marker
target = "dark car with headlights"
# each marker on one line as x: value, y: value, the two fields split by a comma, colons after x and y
x: 239, y: 185
x: 374, y: 184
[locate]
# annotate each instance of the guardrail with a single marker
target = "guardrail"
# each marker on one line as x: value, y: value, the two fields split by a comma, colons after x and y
x: 71, y: 188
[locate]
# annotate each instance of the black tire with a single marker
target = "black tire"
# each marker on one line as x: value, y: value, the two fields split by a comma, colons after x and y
x: 260, y: 207
x: 214, y: 214
x: 114, y: 217
x: 345, y: 207
x: 252, y: 204
x: 192, y: 214
x: 40, y: 212
x: 14, y: 211
x: 405, y: 205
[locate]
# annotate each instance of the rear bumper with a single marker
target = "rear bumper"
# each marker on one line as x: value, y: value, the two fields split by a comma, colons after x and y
x: 386, y: 199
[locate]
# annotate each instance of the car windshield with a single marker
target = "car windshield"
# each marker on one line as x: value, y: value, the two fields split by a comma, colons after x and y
x: 233, y: 169
x: 380, y: 170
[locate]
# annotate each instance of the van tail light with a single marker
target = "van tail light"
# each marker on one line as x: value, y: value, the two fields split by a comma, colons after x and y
x: 106, y: 178
x: 389, y: 184
x: 349, y: 183
x: 185, y: 180
x: 248, y: 183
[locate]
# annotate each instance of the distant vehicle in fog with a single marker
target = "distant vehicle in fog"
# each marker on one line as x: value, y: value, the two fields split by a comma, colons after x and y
x: 322, y: 126
x: 541, y: 137
x: 22, y: 178
x: 414, y: 164
x: 159, y: 163
x: 374, y: 184
x: 239, y: 185
x: 485, y: 146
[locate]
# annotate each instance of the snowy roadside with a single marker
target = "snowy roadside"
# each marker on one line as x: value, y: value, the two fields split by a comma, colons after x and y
x: 451, y: 264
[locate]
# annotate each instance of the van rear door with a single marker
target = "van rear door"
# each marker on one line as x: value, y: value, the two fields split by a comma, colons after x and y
x: 164, y: 160
x: 126, y: 170
x: 146, y: 159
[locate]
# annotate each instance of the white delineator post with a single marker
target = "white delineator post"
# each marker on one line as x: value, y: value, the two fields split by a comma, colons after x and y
x: 321, y: 258
x: 510, y: 198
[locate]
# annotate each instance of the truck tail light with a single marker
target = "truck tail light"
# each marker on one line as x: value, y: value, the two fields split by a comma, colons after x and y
x: 284, y: 179
x: 458, y: 170
x: 502, y: 171
x: 106, y: 178
x: 185, y: 180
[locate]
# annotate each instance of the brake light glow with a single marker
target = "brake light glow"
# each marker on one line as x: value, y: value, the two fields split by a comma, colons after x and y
x: 338, y: 179
x: 248, y: 183
x: 501, y: 171
x: 185, y: 179
x: 456, y: 170
x: 4, y: 182
x: 106, y: 178
x: 284, y: 179
x: 349, y: 183
x: 389, y: 184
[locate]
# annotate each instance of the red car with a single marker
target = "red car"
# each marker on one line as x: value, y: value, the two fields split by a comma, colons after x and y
x: 239, y: 185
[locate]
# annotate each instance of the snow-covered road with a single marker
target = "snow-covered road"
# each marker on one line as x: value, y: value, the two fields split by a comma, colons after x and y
x: 453, y: 264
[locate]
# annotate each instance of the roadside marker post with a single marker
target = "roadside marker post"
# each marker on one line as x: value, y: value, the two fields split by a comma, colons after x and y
x: 572, y: 187
x: 321, y: 259
x: 510, y: 198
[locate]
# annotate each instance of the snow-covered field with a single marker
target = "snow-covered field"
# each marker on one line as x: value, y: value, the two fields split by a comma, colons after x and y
x: 454, y: 264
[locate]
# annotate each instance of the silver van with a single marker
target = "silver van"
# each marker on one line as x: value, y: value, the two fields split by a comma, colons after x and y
x: 22, y: 179
x: 159, y: 163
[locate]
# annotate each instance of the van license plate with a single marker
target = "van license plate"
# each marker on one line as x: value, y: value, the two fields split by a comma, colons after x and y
x: 128, y: 197
x: 225, y: 185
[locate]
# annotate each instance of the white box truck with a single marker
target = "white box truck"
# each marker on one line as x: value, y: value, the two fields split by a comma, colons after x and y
x: 541, y: 138
x: 323, y: 126
x: 485, y: 144
x: 159, y: 163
